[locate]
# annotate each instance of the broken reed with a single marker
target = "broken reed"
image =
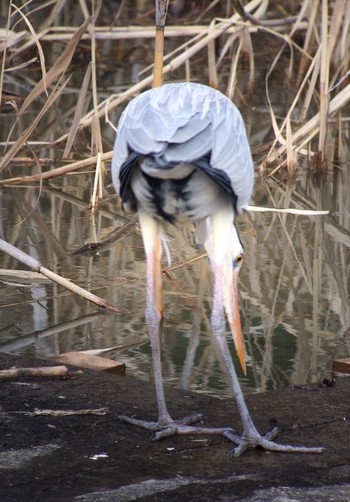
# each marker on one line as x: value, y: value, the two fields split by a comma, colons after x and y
x: 319, y: 64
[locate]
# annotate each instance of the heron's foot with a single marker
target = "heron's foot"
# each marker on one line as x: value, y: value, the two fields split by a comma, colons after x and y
x: 169, y: 427
x: 253, y: 439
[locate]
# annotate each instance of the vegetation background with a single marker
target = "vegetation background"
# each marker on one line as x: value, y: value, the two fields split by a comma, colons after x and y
x: 67, y: 72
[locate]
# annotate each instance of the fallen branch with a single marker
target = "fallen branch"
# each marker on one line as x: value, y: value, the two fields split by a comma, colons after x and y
x: 41, y: 371
x: 36, y: 265
x: 65, y: 413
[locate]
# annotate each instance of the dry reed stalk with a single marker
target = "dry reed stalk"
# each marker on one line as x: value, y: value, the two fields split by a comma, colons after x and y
x: 307, y: 6
x: 59, y: 171
x: 182, y: 47
x: 230, y: 90
x: 307, y: 131
x: 161, y: 12
x: 158, y: 57
x: 247, y: 47
x: 318, y: 69
x: 64, y: 34
x: 313, y: 70
x: 334, y: 33
x: 336, y: 54
x: 188, y: 71
x: 25, y: 135
x: 206, y: 10
x: 344, y: 43
x: 278, y: 131
x: 213, y: 76
x: 112, y: 102
x: 36, y: 42
x: 96, y: 137
x: 324, y: 88
x: 34, y: 264
x: 4, y: 47
x: 78, y: 111
x: 289, y: 147
x: 286, y: 210
x: 97, y: 185
x: 58, y: 69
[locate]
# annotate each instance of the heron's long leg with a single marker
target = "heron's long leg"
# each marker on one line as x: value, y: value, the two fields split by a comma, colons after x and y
x: 250, y: 437
x: 165, y: 426
x: 154, y: 315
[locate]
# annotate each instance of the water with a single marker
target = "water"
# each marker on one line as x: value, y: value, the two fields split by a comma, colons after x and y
x: 294, y: 293
x: 294, y: 284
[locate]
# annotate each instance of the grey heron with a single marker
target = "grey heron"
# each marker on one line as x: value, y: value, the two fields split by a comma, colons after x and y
x: 181, y: 155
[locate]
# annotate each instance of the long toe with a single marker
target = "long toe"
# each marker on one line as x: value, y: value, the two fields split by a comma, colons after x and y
x: 171, y: 427
x: 254, y: 439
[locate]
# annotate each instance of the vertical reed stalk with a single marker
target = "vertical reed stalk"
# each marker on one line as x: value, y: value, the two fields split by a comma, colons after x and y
x: 100, y: 168
x: 161, y: 12
x: 233, y: 71
x: 324, y: 88
x: 316, y: 283
x: 304, y: 60
x: 213, y: 76
x: 4, y: 52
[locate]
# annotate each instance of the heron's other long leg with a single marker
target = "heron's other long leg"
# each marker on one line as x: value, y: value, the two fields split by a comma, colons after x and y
x: 165, y: 426
x: 154, y: 307
x: 154, y: 315
x: 250, y: 437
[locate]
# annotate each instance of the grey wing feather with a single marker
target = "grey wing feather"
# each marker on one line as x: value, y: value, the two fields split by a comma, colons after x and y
x: 190, y: 129
x: 183, y: 122
x: 194, y: 148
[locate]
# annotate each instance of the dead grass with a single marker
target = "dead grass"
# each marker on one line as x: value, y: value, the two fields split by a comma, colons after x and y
x: 67, y: 71
x: 42, y: 35
x: 313, y: 38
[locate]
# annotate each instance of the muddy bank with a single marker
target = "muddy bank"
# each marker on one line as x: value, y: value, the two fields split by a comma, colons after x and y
x: 96, y: 458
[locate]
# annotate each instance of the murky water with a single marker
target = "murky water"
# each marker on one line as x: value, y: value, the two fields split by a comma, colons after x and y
x: 294, y: 285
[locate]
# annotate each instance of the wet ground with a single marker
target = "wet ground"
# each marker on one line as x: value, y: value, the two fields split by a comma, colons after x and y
x: 97, y: 458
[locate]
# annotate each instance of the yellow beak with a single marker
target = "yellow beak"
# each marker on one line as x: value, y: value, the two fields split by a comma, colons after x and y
x: 232, y: 311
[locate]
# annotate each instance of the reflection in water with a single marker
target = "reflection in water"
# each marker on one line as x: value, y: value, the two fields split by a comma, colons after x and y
x: 294, y: 289
x: 294, y: 284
